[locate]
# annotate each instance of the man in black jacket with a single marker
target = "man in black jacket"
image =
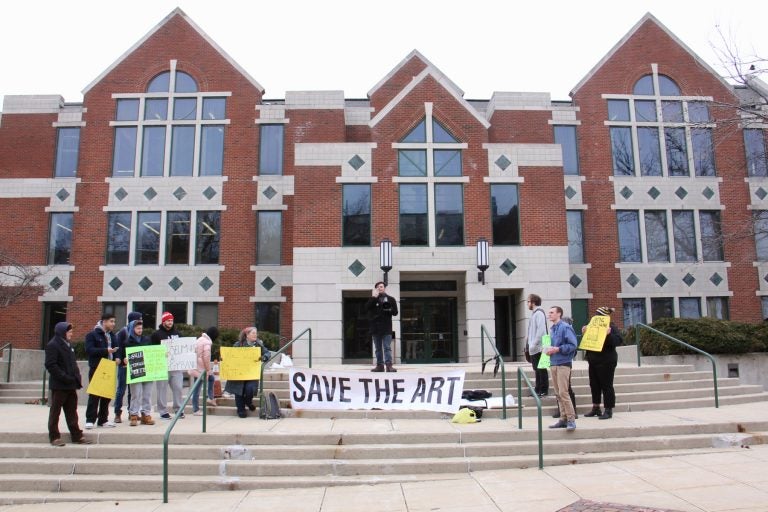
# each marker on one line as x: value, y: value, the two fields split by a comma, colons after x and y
x: 64, y: 382
x: 122, y: 387
x: 99, y: 345
x: 381, y: 308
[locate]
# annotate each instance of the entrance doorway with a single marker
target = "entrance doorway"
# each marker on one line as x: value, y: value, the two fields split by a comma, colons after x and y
x: 53, y: 313
x: 428, y: 330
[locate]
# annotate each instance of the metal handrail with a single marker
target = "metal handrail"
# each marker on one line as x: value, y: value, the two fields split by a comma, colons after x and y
x: 9, y: 346
x: 520, y: 376
x: 278, y: 352
x: 204, y: 378
x: 679, y: 342
x: 483, y: 334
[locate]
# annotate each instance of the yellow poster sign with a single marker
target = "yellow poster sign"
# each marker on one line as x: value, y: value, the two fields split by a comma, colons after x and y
x: 104, y: 380
x: 594, y: 336
x: 240, y: 363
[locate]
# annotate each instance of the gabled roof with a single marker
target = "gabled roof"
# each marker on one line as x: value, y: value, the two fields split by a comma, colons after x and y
x: 429, y: 70
x: 176, y: 12
x: 648, y: 17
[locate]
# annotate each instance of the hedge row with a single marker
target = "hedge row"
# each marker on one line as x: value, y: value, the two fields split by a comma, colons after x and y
x: 707, y: 334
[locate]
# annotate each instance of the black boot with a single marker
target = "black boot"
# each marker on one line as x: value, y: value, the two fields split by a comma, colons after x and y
x: 379, y: 368
x: 608, y: 414
x: 390, y: 368
x: 594, y: 412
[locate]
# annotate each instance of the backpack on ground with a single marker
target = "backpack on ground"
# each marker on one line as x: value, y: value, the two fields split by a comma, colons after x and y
x: 271, y: 409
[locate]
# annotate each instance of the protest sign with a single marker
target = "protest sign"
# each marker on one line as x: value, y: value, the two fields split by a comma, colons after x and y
x: 544, y: 361
x: 594, y: 337
x: 181, y: 353
x: 104, y: 380
x: 240, y: 363
x: 146, y: 363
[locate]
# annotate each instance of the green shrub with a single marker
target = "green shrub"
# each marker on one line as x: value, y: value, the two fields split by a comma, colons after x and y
x: 707, y: 334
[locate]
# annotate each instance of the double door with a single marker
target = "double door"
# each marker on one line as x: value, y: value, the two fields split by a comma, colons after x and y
x: 428, y: 330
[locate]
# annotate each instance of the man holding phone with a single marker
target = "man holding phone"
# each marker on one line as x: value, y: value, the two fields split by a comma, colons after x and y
x: 381, y: 308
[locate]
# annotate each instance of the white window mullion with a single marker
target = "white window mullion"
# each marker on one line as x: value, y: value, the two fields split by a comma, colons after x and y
x: 163, y: 234
x: 431, y: 217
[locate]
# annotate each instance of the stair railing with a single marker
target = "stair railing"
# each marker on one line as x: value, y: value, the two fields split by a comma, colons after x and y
x: 500, y: 360
x: 204, y: 378
x: 279, y: 352
x: 639, y: 326
x: 8, y: 346
x: 520, y: 377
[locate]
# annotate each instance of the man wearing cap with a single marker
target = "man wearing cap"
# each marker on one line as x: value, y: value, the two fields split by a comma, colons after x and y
x: 561, y: 354
x: 165, y: 331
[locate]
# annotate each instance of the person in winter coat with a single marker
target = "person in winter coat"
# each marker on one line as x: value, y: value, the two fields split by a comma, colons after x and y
x: 243, y: 390
x: 64, y: 382
x: 175, y: 381
x: 99, y: 344
x: 141, y: 392
x: 203, y: 347
x: 381, y: 308
x: 120, y: 339
x: 602, y: 367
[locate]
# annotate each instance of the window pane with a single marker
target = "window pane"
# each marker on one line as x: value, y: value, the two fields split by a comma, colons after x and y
x: 711, y: 236
x: 119, y: 309
x: 148, y: 312
x: 764, y: 303
x: 356, y: 215
x: 618, y: 110
x: 698, y: 112
x: 677, y: 153
x: 650, y: 151
x: 505, y: 215
x: 717, y: 307
x: 270, y: 228
x: 67, y: 151
x: 118, y: 238
x: 672, y: 111
x: 440, y: 134
x: 621, y: 148
x: 182, y: 150
x: 206, y: 314
x: 177, y: 238
x: 418, y: 134
x: 754, y: 145
x: 178, y: 310
x: 185, y: 83
x: 60, y: 242
x: 634, y: 311
x: 185, y: 108
x: 645, y: 110
x: 271, y: 149
x: 575, y: 237
x: 156, y: 109
x: 447, y: 162
x: 127, y: 110
x: 124, y: 159
x: 629, y: 236
x: 413, y: 215
x: 566, y: 137
x: 690, y: 307
x: 656, y: 235
x: 412, y: 162
x: 685, y: 235
x: 161, y: 83
x: 760, y: 227
x: 212, y: 151
x: 703, y: 153
x: 644, y: 86
x: 268, y: 317
x: 208, y: 236
x: 214, y: 108
x: 667, y: 86
x: 449, y: 215
x: 153, y: 152
x: 148, y: 239
x: 662, y: 308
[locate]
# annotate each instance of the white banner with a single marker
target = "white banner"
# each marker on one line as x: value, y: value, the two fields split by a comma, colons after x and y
x: 181, y: 353
x: 333, y: 390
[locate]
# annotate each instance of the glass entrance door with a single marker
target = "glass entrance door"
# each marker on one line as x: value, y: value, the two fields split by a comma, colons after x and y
x: 428, y: 330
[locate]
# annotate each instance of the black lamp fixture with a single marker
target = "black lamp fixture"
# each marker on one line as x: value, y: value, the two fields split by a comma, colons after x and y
x: 385, y: 258
x: 482, y: 259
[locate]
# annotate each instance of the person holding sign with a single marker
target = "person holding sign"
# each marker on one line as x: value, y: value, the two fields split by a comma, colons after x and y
x: 175, y: 381
x: 561, y: 353
x: 141, y: 392
x: 99, y: 344
x: 537, y: 328
x: 243, y: 390
x: 602, y: 366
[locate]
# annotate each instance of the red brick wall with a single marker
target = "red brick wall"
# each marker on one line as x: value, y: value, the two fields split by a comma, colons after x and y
x: 521, y: 127
x: 27, y: 146
x: 392, y: 87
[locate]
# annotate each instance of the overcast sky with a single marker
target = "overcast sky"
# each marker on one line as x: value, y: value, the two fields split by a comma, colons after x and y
x: 59, y: 47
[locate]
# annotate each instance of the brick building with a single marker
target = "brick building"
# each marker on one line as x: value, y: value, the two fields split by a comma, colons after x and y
x: 175, y: 185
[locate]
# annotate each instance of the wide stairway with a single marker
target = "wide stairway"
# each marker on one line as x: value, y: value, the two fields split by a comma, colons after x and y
x: 368, y: 447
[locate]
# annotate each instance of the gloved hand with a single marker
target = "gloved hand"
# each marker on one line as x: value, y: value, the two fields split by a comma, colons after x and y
x: 265, y: 358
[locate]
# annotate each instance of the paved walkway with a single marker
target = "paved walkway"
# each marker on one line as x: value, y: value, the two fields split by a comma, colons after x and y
x: 732, y: 480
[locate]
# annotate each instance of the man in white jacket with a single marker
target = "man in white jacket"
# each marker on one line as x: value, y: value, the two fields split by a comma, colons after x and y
x: 537, y: 327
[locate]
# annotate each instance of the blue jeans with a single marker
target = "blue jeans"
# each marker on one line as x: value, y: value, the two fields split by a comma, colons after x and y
x: 196, y: 393
x: 383, y: 346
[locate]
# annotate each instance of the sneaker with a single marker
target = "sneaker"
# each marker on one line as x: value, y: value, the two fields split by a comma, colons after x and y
x: 166, y: 416
x: 560, y: 424
x: 211, y: 402
x: 108, y: 424
x: 83, y: 440
x: 89, y: 425
x: 570, y: 426
x: 119, y: 417
x: 181, y: 416
x: 197, y: 413
x: 58, y: 442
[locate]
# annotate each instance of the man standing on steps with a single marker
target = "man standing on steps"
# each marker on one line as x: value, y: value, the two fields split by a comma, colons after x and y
x: 165, y: 331
x: 381, y: 308
x: 122, y: 387
x: 537, y: 328
x: 561, y: 355
x: 99, y: 345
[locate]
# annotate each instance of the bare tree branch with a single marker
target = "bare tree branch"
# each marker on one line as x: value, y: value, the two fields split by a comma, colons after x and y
x: 17, y: 282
